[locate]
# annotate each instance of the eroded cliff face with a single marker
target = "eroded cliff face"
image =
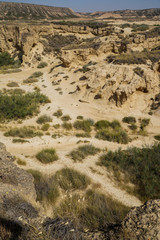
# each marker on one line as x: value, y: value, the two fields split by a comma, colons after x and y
x: 116, y: 84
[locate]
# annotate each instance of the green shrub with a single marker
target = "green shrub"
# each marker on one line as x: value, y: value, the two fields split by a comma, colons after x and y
x: 129, y: 120
x: 6, y: 59
x: 42, y: 65
x: 56, y: 126
x: 19, y: 140
x: 83, y: 151
x: 84, y: 135
x: 65, y: 118
x: 58, y: 113
x: 12, y: 84
x: 84, y: 125
x: 46, y: 189
x: 144, y: 123
x: 119, y: 136
x: 44, y: 119
x: 47, y: 155
x: 36, y: 75
x: 23, y: 132
x: 19, y: 105
x: 102, y: 124
x: 133, y: 127
x: 67, y: 126
x: 141, y: 166
x: 157, y: 137
x: 80, y: 117
x: 30, y: 80
x: 70, y: 179
x: 92, y: 210
x: 21, y: 162
x: 45, y: 127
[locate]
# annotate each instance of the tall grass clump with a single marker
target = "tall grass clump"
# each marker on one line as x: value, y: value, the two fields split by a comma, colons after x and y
x: 23, y: 132
x: 93, y: 210
x: 47, y: 155
x: 141, y: 166
x: 84, y: 125
x: 47, y: 191
x: 70, y: 179
x: 44, y: 119
x: 83, y: 151
x: 42, y: 65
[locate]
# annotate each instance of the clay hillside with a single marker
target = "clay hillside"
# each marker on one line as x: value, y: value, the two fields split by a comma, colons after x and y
x: 11, y: 10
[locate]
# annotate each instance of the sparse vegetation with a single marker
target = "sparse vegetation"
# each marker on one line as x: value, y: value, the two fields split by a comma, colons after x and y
x: 23, y: 132
x: 93, y: 210
x: 42, y: 65
x: 140, y: 166
x: 70, y: 179
x: 58, y: 113
x: 47, y: 155
x: 30, y: 80
x: 135, y: 57
x: 44, y: 119
x: 83, y: 151
x: 18, y: 105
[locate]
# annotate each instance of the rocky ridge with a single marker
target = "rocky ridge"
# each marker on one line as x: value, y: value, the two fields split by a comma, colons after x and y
x: 24, y: 11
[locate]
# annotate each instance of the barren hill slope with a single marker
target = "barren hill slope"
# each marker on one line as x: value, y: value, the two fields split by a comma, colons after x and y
x: 10, y: 10
x: 152, y: 13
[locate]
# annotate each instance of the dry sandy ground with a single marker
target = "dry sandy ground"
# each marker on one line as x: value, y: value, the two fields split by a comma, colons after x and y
x: 69, y: 103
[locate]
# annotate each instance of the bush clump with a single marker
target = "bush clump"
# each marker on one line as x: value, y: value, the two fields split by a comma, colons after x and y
x: 58, y: 113
x: 47, y: 155
x: 70, y: 179
x: 83, y: 151
x: 141, y: 166
x: 18, y: 105
x: 83, y: 135
x: 67, y: 126
x: 23, y: 132
x: 12, y: 84
x: 6, y: 59
x: 129, y: 120
x: 84, y: 125
x: 119, y: 136
x: 45, y: 127
x: 44, y: 119
x: 65, y: 118
x: 42, y: 65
